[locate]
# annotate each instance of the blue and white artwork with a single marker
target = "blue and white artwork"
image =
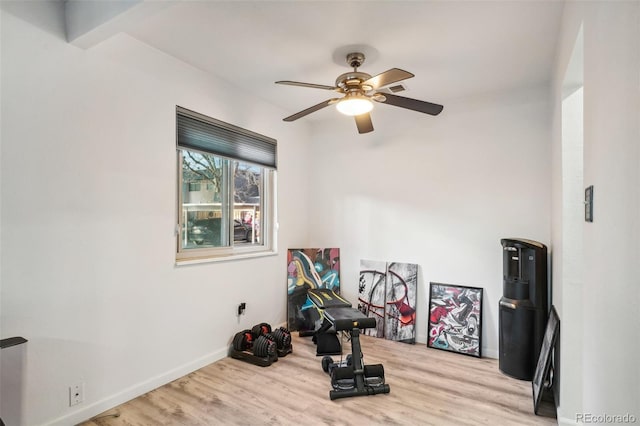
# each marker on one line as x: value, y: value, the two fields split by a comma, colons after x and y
x: 310, y: 268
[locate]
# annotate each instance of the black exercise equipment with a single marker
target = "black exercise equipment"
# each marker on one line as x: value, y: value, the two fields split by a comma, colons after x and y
x: 281, y: 336
x: 351, y: 378
x: 328, y: 364
x: 327, y: 343
x: 259, y: 351
x: 261, y: 345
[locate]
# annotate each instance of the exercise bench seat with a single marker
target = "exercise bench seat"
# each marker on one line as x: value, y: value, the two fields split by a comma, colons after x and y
x: 327, y: 343
x: 346, y: 319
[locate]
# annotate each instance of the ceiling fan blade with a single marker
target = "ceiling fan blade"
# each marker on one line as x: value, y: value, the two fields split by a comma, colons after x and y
x: 309, y: 110
x: 413, y: 104
x: 313, y: 86
x: 364, y: 123
x: 390, y: 76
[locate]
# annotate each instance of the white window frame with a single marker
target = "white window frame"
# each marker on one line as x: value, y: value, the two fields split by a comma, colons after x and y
x: 268, y: 197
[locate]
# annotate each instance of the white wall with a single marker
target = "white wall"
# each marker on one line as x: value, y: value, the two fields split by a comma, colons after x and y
x: 610, y: 376
x: 88, y: 218
x: 437, y: 191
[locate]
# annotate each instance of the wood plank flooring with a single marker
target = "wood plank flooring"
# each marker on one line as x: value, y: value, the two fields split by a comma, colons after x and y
x: 428, y: 387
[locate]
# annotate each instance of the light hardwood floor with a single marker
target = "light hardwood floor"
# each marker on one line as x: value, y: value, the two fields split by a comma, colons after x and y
x: 428, y: 387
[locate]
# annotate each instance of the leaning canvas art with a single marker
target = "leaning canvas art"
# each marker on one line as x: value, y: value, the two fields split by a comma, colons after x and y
x: 400, y: 302
x: 455, y: 318
x: 306, y: 269
x: 387, y: 292
x: 372, y: 293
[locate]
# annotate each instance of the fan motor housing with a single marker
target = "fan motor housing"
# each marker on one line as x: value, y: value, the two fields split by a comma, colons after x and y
x: 352, y: 80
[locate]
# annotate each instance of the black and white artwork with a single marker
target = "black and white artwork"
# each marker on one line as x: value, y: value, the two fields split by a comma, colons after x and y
x: 387, y: 292
x: 455, y: 318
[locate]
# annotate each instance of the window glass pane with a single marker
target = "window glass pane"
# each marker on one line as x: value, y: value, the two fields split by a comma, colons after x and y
x: 247, y: 201
x: 204, y: 214
x: 209, y: 218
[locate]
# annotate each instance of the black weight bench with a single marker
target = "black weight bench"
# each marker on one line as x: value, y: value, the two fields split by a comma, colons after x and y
x: 355, y: 378
x: 327, y: 343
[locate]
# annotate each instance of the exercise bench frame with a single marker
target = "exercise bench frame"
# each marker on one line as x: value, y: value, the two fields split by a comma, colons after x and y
x: 343, y: 318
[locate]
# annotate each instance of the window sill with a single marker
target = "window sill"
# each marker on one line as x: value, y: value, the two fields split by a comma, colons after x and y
x: 226, y: 258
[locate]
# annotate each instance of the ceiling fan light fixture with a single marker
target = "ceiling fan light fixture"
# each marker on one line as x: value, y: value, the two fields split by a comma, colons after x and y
x: 354, y: 105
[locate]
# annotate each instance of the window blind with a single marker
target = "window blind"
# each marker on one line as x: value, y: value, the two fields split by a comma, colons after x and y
x: 205, y: 134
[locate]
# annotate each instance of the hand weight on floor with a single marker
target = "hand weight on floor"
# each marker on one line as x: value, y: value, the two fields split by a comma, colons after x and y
x: 281, y: 336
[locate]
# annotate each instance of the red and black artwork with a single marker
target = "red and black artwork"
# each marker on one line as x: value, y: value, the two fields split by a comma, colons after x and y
x: 387, y: 292
x: 455, y: 318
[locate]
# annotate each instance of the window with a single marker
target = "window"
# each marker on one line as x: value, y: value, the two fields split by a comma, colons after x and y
x: 226, y: 177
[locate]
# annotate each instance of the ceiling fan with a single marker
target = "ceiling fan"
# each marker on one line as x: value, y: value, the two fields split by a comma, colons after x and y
x: 359, y: 90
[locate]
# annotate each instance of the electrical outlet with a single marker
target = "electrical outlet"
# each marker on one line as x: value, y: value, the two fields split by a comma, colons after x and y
x: 76, y: 394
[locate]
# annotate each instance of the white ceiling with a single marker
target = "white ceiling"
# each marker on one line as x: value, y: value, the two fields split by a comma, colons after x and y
x: 456, y: 49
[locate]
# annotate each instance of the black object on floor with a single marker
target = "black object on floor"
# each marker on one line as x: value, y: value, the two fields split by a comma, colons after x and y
x: 325, y: 338
x: 356, y: 379
x: 523, y: 308
x: 261, y: 345
x: 352, y: 378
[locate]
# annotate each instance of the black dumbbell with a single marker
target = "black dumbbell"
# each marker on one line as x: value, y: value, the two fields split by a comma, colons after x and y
x: 243, y: 341
x: 261, y: 345
x: 281, y: 336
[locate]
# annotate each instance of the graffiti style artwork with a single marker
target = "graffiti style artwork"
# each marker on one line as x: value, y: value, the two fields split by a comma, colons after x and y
x: 387, y: 292
x: 307, y: 269
x: 400, y: 313
x: 372, y: 293
x: 455, y: 319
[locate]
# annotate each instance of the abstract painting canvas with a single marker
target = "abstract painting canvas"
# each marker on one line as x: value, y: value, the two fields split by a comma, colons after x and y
x: 400, y: 302
x: 306, y: 269
x: 455, y: 318
x: 387, y: 292
x: 372, y: 293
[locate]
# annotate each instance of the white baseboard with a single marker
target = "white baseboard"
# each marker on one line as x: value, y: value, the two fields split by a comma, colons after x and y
x: 89, y: 411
